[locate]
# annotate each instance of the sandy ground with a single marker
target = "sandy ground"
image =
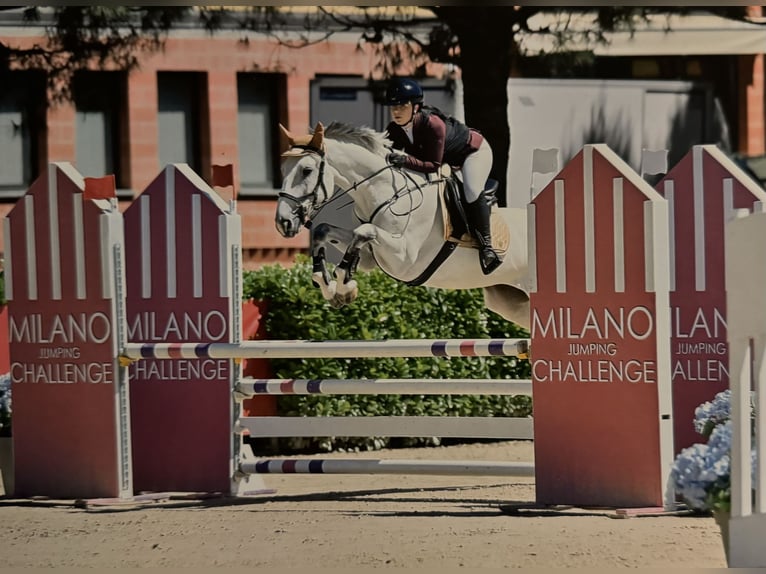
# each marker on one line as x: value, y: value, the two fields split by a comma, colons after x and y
x: 331, y: 521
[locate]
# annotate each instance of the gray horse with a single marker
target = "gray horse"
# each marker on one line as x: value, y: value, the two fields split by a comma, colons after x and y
x: 399, y: 226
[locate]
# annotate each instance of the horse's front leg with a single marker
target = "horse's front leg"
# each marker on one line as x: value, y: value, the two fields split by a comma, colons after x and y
x: 323, y: 234
x: 347, y: 289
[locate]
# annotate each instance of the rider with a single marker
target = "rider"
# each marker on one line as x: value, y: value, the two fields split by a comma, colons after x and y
x: 429, y: 141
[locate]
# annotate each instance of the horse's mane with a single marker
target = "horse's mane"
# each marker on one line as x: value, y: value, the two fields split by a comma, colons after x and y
x: 363, y: 136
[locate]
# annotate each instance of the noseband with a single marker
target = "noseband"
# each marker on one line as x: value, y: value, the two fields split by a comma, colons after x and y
x: 308, y: 201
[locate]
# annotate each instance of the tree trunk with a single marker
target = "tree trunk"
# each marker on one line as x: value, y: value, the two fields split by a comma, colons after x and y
x: 486, y: 46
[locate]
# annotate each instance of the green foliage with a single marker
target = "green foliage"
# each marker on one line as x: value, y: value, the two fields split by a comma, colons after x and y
x: 385, y: 309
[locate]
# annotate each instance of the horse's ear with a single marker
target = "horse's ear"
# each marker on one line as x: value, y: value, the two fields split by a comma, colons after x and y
x: 287, y: 134
x: 287, y: 140
x: 318, y: 139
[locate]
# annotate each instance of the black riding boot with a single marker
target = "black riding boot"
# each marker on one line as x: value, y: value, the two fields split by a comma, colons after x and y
x: 478, y: 218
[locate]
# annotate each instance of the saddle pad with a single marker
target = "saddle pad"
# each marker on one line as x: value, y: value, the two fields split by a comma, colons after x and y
x: 501, y: 235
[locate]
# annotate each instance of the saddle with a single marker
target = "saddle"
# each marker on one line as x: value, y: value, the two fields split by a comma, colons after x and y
x: 456, y: 227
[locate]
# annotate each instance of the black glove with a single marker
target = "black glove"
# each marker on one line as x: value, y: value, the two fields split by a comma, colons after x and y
x: 396, y: 159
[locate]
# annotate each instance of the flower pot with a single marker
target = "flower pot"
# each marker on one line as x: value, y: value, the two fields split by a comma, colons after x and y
x: 722, y: 520
x: 6, y: 465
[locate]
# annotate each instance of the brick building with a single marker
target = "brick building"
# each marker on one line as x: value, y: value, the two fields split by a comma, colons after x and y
x: 201, y: 100
x: 213, y: 99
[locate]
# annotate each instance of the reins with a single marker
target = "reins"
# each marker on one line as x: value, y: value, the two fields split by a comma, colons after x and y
x: 396, y: 197
x: 308, y: 213
x: 348, y: 190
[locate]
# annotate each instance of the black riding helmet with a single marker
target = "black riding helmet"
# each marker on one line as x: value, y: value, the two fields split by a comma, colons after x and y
x: 402, y: 90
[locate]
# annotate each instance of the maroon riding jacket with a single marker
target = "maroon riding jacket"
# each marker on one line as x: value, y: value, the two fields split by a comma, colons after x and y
x: 435, y: 142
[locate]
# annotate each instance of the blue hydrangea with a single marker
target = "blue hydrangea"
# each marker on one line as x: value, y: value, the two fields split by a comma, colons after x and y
x: 691, y: 475
x: 712, y: 413
x: 5, y: 404
x: 719, y: 451
x: 701, y: 472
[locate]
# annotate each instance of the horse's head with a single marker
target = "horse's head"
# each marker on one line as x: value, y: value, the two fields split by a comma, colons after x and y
x: 307, y: 181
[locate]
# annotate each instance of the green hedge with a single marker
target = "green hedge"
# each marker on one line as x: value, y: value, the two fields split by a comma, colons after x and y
x: 385, y: 309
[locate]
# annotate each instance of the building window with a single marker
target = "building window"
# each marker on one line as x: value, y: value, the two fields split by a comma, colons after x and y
x: 100, y: 123
x: 182, y: 103
x: 22, y: 130
x: 258, y: 116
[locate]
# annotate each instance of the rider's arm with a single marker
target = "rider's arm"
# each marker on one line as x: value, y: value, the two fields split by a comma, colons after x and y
x: 429, y: 136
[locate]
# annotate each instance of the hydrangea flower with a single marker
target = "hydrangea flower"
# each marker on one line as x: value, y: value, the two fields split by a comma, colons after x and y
x: 691, y: 475
x: 712, y: 413
x: 5, y: 404
x: 701, y: 473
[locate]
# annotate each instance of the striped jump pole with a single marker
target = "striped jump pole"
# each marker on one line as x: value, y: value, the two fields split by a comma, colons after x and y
x: 391, y: 466
x: 329, y: 349
x: 248, y: 388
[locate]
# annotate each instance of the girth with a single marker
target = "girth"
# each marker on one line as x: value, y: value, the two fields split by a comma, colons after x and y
x: 454, y: 198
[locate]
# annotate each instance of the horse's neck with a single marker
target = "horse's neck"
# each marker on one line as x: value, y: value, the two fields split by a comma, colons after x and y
x: 362, y: 173
x: 353, y: 162
x: 371, y: 185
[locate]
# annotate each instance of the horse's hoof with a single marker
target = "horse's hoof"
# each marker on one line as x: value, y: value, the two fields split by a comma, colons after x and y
x: 352, y: 291
x: 329, y: 291
x: 338, y: 301
x: 348, y: 287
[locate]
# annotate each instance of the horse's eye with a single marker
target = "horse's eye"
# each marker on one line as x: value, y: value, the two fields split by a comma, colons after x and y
x: 307, y: 171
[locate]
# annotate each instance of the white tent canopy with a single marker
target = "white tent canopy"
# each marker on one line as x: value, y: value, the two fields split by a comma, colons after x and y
x: 662, y: 35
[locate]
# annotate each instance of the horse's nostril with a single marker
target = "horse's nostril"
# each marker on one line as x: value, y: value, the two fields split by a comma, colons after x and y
x: 286, y: 227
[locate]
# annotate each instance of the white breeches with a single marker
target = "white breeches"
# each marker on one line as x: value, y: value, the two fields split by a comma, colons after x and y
x: 476, y: 171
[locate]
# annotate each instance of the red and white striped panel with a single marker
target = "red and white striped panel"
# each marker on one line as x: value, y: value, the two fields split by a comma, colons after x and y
x: 598, y: 246
x: 60, y: 258
x: 49, y: 235
x: 180, y: 239
x: 703, y: 190
x: 603, y: 218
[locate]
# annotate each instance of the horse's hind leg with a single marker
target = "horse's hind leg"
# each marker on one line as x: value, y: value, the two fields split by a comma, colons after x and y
x: 323, y: 234
x: 511, y: 303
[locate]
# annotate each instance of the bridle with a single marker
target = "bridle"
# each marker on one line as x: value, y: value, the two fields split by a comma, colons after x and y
x: 307, y: 206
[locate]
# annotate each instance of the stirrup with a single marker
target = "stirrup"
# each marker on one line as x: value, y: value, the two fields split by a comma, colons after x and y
x: 489, y: 260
